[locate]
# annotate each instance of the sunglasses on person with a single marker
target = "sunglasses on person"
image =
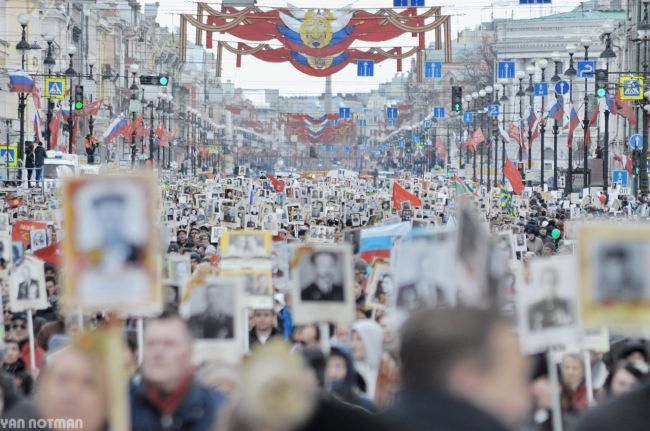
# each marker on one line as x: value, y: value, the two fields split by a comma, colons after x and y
x: 19, y: 326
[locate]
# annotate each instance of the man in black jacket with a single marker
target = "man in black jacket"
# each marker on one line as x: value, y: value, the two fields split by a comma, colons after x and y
x: 39, y: 160
x: 461, y: 370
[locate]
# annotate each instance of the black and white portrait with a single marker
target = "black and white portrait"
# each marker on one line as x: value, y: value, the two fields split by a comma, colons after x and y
x: 216, y: 233
x: 17, y: 252
x: 322, y: 281
x: 215, y: 319
x: 246, y: 245
x: 6, y: 252
x: 28, y: 286
x: 552, y: 310
x: 547, y: 307
x: 37, y: 239
x: 212, y: 308
x: 179, y: 268
x: 622, y: 275
x: 322, y: 277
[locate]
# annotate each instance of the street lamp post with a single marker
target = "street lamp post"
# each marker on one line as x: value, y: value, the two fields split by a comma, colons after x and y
x: 543, y: 63
x: 520, y: 75
x: 134, y: 68
x: 530, y: 70
x: 70, y: 73
x: 498, y: 87
x: 585, y: 43
x: 570, y: 73
x: 482, y: 94
x: 607, y: 55
x: 489, y: 90
x: 475, y: 96
x: 556, y: 127
x: 504, y: 98
x: 23, y: 48
x: 151, y: 132
x: 49, y: 62
x: 468, y: 99
x: 91, y: 120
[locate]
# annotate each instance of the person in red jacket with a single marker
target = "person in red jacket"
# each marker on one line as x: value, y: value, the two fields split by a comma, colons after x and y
x: 20, y: 334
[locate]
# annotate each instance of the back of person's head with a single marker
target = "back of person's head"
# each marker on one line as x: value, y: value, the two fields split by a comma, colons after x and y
x: 433, y: 342
x: 470, y: 354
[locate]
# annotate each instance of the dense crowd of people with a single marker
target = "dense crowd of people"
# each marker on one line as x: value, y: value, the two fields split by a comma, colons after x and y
x: 444, y: 368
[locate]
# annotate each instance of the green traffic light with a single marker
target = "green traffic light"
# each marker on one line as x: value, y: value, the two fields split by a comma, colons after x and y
x: 601, y: 92
x: 163, y: 80
x: 78, y: 105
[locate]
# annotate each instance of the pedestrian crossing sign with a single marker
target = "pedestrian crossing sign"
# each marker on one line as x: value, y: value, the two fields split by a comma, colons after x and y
x: 631, y: 87
x: 55, y: 88
x: 9, y: 155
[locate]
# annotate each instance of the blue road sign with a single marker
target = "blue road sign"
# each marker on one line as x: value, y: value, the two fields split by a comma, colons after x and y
x: 585, y: 69
x: 534, y: 1
x: 493, y: 110
x: 344, y: 113
x: 335, y: 123
x: 417, y: 3
x: 365, y: 68
x: 392, y: 113
x: 541, y: 89
x: 636, y: 142
x: 620, y: 177
x: 363, y: 123
x: 562, y: 87
x: 400, y: 3
x: 632, y: 88
x: 468, y: 117
x: 8, y: 155
x: 433, y: 69
x: 438, y: 112
x: 506, y: 69
x: 392, y: 123
x: 426, y: 123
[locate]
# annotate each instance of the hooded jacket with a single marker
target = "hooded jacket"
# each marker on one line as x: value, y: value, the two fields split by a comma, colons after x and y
x: 344, y: 388
x: 372, y: 337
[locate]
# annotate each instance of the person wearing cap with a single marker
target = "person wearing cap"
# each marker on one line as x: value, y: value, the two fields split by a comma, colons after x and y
x: 534, y: 243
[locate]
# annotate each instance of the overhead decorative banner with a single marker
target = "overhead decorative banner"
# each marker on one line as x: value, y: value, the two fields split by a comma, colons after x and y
x: 316, y: 41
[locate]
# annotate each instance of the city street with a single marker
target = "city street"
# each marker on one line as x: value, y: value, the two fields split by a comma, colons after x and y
x: 255, y: 215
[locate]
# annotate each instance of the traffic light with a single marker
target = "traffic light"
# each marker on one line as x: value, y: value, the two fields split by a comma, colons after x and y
x: 601, y: 82
x: 78, y: 97
x: 456, y: 99
x: 161, y: 80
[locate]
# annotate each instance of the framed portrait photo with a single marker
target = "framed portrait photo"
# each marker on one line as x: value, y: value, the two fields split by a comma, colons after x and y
x: 322, y: 280
x: 111, y: 245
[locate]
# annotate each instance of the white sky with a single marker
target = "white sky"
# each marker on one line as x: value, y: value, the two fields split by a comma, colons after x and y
x: 255, y: 74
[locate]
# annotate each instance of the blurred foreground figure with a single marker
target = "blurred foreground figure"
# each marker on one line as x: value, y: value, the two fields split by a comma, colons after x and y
x: 167, y: 398
x: 627, y: 412
x: 461, y: 370
x: 283, y: 391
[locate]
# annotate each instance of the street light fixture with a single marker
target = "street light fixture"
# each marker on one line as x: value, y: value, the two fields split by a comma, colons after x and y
x: 543, y: 64
x: 23, y: 48
x: 520, y: 75
x: 571, y: 72
x: 530, y: 71
x: 585, y: 43
x: 608, y: 53
x: 557, y: 60
x: 72, y: 50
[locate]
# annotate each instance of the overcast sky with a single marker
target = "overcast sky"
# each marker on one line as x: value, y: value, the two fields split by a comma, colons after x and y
x: 255, y: 74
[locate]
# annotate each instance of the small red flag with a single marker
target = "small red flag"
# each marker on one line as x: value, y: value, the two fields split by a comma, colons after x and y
x: 400, y: 195
x: 513, y: 175
x: 278, y: 185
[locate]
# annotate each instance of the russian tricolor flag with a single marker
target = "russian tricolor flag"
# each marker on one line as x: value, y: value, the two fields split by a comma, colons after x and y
x: 377, y: 241
x: 114, y: 129
x: 20, y: 81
